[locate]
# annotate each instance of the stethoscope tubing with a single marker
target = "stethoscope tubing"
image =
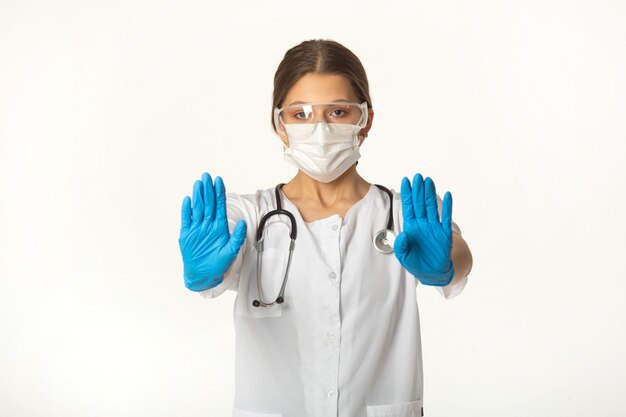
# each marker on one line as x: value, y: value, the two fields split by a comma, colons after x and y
x: 380, y: 236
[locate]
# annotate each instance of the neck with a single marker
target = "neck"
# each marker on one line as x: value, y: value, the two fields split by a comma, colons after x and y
x: 349, y: 186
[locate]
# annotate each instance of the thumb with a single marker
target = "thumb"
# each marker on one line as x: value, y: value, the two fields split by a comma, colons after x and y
x: 401, y: 245
x: 238, y: 237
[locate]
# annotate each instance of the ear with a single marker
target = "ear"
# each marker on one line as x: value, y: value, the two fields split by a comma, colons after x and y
x: 363, y: 132
x: 283, y: 137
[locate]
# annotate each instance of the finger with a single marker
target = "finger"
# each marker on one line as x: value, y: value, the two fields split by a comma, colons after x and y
x: 209, y: 197
x: 407, y: 200
x: 446, y: 214
x: 418, y: 197
x: 220, y: 196
x: 197, y: 203
x: 238, y: 237
x: 430, y: 198
x: 185, y: 221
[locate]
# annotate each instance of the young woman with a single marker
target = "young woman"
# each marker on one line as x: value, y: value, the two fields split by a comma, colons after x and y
x: 326, y: 315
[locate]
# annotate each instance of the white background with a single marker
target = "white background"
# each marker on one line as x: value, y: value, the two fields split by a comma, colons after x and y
x: 110, y: 110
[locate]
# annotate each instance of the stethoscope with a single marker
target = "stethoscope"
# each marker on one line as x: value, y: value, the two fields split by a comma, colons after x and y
x: 383, y: 242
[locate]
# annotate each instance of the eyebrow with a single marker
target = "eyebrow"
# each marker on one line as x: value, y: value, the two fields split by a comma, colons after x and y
x: 334, y: 101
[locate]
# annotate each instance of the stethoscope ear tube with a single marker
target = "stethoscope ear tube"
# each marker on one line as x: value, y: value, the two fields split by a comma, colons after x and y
x: 280, y: 299
x: 293, y: 233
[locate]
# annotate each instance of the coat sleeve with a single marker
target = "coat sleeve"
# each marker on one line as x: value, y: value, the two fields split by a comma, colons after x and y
x: 235, y: 211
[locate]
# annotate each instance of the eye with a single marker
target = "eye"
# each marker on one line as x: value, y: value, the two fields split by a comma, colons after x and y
x: 296, y: 115
x: 341, y: 112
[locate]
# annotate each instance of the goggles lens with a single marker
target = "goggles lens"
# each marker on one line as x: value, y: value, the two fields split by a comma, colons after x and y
x: 309, y: 113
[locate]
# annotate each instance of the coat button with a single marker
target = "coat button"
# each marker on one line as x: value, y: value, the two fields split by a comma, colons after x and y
x: 335, y: 227
x: 330, y: 394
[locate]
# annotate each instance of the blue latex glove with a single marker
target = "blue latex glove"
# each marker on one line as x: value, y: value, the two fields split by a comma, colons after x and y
x: 424, y: 247
x: 205, y: 242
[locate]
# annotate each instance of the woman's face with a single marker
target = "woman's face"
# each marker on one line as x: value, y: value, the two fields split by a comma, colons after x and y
x: 314, y: 87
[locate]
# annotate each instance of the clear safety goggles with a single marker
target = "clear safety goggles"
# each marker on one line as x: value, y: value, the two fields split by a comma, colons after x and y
x: 340, y: 112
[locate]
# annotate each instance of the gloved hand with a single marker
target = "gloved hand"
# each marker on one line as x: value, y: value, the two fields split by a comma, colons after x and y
x: 424, y: 247
x: 205, y: 242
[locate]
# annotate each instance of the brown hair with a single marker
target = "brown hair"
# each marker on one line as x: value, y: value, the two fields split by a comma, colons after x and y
x: 320, y: 56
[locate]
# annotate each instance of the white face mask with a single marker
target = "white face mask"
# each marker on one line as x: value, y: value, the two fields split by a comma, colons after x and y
x: 322, y: 150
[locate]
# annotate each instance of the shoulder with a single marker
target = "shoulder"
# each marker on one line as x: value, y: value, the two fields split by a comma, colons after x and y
x: 250, y: 203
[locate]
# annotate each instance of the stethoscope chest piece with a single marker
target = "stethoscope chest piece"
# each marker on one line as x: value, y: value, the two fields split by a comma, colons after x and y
x: 383, y: 240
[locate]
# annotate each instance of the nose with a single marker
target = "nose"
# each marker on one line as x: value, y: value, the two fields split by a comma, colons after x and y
x: 321, y: 125
x: 319, y: 116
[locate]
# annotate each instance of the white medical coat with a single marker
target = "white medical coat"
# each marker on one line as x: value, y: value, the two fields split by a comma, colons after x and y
x: 346, y: 342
